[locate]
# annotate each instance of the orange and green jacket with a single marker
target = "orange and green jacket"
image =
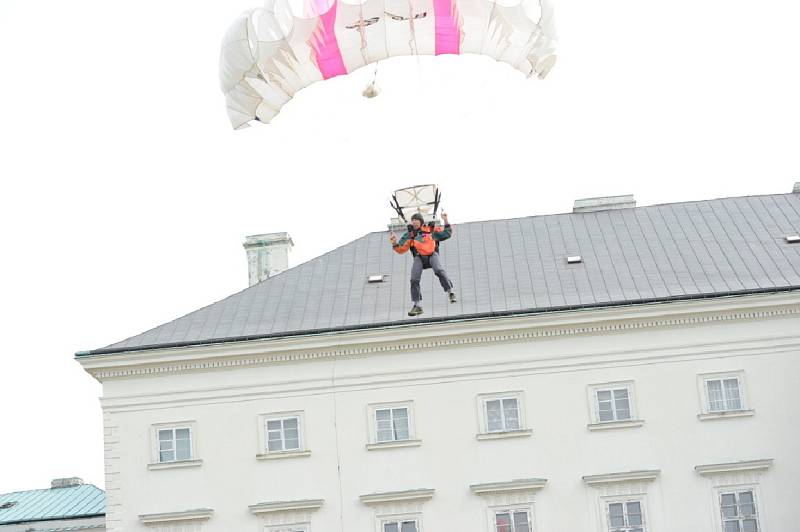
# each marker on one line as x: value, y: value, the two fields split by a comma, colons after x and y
x: 425, y: 240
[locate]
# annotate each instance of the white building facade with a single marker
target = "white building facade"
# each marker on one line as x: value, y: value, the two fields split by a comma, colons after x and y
x: 613, y: 369
x: 674, y: 416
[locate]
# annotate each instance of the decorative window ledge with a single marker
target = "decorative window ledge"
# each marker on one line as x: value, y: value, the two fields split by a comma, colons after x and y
x: 725, y: 415
x: 200, y: 514
x: 606, y: 425
x: 422, y: 494
x: 525, y: 484
x: 505, y: 434
x: 282, y: 454
x: 175, y: 465
x: 735, y: 467
x: 286, y: 506
x: 628, y: 476
x: 393, y: 444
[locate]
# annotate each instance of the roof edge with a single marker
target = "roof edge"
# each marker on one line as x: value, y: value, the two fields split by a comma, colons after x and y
x: 428, y: 320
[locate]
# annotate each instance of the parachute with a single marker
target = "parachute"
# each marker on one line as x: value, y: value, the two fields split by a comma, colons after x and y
x: 270, y: 53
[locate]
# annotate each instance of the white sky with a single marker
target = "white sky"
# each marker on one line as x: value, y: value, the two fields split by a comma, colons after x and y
x: 125, y: 196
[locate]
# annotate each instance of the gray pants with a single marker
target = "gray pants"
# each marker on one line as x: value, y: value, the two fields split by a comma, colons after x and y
x: 416, y: 275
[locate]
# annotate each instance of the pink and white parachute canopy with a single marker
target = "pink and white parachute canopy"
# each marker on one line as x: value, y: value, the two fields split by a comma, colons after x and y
x: 272, y: 52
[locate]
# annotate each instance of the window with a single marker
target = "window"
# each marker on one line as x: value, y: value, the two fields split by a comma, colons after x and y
x: 502, y: 415
x: 625, y: 516
x: 401, y: 526
x: 283, y: 434
x: 174, y: 444
x: 723, y: 394
x: 392, y: 424
x: 738, y: 510
x: 512, y: 521
x: 613, y: 405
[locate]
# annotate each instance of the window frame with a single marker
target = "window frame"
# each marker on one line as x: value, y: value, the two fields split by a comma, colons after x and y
x: 372, y: 424
x: 737, y: 489
x: 483, y: 414
x: 400, y: 518
x: 705, y: 400
x: 155, y: 447
x: 511, y: 509
x: 594, y: 404
x: 263, y: 434
x: 607, y: 501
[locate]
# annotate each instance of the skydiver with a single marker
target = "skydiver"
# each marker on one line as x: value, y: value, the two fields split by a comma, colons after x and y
x: 423, y: 241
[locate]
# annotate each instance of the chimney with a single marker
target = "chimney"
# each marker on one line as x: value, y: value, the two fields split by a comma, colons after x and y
x: 267, y: 255
x: 796, y: 189
x: 70, y: 482
x: 605, y: 203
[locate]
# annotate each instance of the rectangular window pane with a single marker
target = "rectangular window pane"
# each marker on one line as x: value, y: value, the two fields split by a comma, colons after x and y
x: 274, y: 424
x: 409, y: 526
x: 521, y: 522
x: 401, y: 429
x: 729, y: 505
x: 749, y: 525
x: 732, y: 526
x: 622, y: 404
x: 732, y: 394
x: 164, y: 435
x: 182, y: 434
x: 183, y: 450
x: 165, y: 445
x: 511, y: 413
x: 747, y: 506
x: 494, y: 415
x: 390, y: 527
x: 502, y: 522
x: 275, y: 445
x: 634, y: 513
x: 166, y: 456
x: 383, y: 421
x: 615, y: 515
x: 716, y: 402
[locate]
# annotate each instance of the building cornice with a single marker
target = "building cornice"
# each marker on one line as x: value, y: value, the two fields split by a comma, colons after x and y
x: 441, y: 335
x: 627, y: 476
x: 422, y: 494
x: 286, y: 506
x: 734, y: 467
x: 200, y: 514
x: 526, y: 484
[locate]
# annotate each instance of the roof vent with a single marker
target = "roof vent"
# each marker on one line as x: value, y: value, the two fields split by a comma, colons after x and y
x: 70, y: 482
x: 605, y: 203
x: 376, y: 278
x: 793, y: 239
x: 574, y: 259
x: 796, y: 189
x: 7, y: 505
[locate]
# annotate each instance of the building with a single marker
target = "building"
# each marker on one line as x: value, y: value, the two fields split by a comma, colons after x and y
x: 68, y: 505
x: 617, y: 368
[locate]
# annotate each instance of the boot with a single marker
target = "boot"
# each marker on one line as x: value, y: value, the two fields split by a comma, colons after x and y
x: 452, y: 297
x: 416, y: 310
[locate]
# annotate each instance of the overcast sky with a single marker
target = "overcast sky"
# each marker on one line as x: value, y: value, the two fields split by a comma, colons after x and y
x: 126, y: 196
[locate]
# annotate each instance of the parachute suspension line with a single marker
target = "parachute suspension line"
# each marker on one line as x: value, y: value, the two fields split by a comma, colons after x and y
x: 412, y: 42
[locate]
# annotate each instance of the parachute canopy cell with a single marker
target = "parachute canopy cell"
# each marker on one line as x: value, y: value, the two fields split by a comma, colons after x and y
x: 270, y: 53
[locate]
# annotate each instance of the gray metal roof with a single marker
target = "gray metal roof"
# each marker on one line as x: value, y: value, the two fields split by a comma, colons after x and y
x: 52, y: 504
x: 499, y: 267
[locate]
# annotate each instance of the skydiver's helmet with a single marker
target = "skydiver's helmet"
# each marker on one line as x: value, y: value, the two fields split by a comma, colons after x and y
x: 418, y: 216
